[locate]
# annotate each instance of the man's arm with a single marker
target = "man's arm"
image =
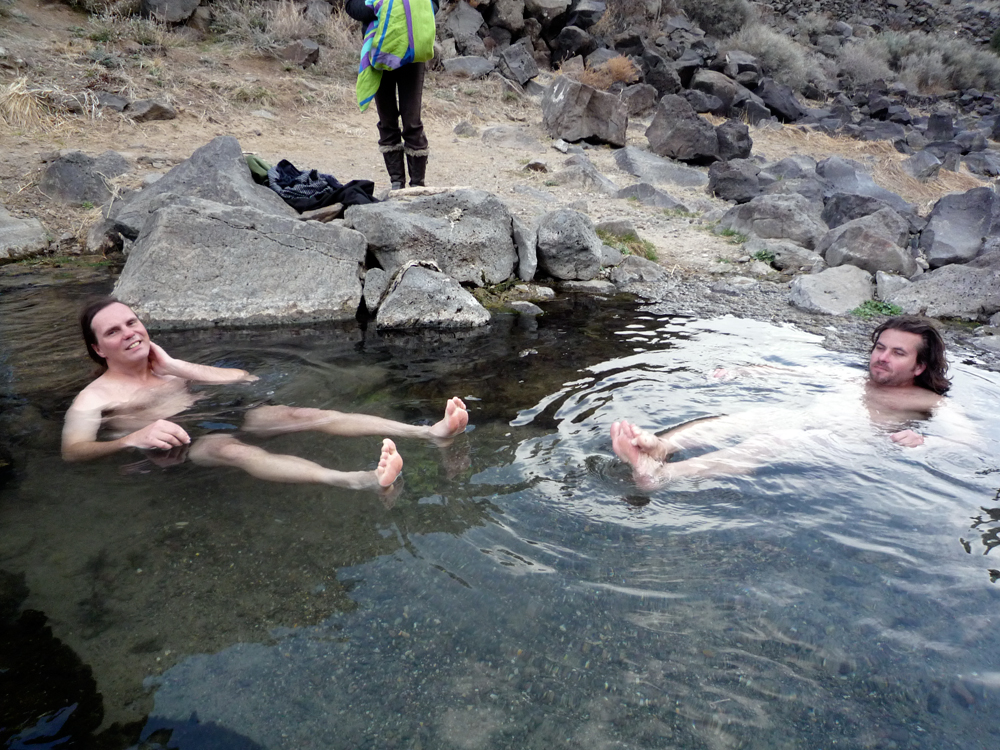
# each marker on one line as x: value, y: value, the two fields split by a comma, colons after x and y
x: 162, y: 363
x: 83, y: 420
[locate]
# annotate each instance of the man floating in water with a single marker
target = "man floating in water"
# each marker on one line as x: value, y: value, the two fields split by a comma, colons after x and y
x: 142, y: 388
x: 906, y: 381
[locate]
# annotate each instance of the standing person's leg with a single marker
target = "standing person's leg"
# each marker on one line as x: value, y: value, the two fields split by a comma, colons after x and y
x: 411, y: 96
x: 276, y: 420
x: 390, y: 137
x: 225, y: 450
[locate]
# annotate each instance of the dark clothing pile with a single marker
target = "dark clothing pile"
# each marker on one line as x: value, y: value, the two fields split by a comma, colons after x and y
x: 304, y: 191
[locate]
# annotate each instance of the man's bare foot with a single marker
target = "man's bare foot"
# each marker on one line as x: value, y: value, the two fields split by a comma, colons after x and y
x: 390, y: 463
x: 456, y: 419
x: 637, y: 447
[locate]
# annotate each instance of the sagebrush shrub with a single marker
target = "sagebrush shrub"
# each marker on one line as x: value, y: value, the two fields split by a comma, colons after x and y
x: 719, y: 18
x: 813, y: 23
x: 933, y: 62
x: 779, y: 57
x: 862, y: 62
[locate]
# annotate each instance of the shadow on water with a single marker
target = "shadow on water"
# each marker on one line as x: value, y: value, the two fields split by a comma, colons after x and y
x: 508, y: 597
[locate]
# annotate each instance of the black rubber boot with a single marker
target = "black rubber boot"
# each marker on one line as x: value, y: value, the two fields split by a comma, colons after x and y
x: 418, y: 168
x: 395, y: 167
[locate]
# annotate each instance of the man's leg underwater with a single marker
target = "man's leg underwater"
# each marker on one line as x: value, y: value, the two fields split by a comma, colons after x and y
x: 225, y: 450
x: 644, y: 452
x: 276, y: 420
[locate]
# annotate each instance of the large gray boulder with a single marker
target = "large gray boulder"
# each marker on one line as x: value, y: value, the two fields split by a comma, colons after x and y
x: 466, y: 232
x: 788, y: 256
x: 848, y: 176
x: 634, y: 269
x: 876, y: 242
x: 463, y: 22
x: 517, y: 64
x: 658, y: 171
x: 508, y: 14
x: 567, y: 245
x: 792, y: 217
x: 216, y: 172
x: 546, y: 11
x: 718, y: 85
x: 198, y: 264
x: 780, y: 100
x: 734, y: 140
x: 970, y: 291
x: 643, y: 278
x: 734, y: 180
x: 421, y: 296
x: 651, y: 196
x: 20, y: 238
x: 835, y: 291
x: 581, y: 172
x: 958, y: 224
x: 76, y: 178
x: 678, y: 132
x: 574, y: 112
x: 791, y: 168
x: 469, y: 66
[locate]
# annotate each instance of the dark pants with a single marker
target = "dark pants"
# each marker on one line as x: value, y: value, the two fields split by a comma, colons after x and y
x: 408, y: 81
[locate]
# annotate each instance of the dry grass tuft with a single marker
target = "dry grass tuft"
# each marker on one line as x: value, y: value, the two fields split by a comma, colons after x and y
x: 26, y: 108
x: 889, y: 173
x: 616, y: 70
x: 342, y: 35
x: 287, y: 22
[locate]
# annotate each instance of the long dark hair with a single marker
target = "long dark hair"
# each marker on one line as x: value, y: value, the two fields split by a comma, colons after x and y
x: 87, y: 314
x: 930, y: 353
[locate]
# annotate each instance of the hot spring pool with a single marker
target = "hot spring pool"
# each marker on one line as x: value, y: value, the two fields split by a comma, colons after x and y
x: 519, y: 592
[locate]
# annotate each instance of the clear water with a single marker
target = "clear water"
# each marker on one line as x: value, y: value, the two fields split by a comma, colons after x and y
x: 519, y: 592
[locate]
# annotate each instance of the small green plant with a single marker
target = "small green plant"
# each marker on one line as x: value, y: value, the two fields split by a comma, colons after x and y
x: 732, y: 236
x: 629, y: 244
x: 764, y: 256
x: 87, y: 205
x: 252, y: 95
x: 510, y: 96
x: 873, y: 307
x: 101, y: 35
x: 680, y: 213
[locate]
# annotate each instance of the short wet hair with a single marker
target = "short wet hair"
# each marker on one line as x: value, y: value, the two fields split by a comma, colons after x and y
x: 87, y: 314
x: 930, y: 353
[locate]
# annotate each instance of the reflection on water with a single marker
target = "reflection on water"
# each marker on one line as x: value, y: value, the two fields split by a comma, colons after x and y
x: 519, y: 592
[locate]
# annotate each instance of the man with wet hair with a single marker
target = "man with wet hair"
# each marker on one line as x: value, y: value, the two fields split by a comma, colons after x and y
x: 906, y: 381
x: 142, y: 388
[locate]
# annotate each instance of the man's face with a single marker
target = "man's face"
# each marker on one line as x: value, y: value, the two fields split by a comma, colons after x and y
x: 121, y: 336
x: 893, y: 361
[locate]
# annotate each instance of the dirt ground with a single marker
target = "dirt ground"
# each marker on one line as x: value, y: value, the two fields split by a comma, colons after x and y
x: 310, y: 118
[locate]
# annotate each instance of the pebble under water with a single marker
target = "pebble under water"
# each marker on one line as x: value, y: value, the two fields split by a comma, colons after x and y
x: 520, y: 591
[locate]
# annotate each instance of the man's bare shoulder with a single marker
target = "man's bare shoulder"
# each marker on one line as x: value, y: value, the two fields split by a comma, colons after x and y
x: 99, y: 394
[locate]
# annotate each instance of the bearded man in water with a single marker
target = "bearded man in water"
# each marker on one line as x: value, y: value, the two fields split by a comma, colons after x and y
x: 142, y: 388
x: 906, y: 382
